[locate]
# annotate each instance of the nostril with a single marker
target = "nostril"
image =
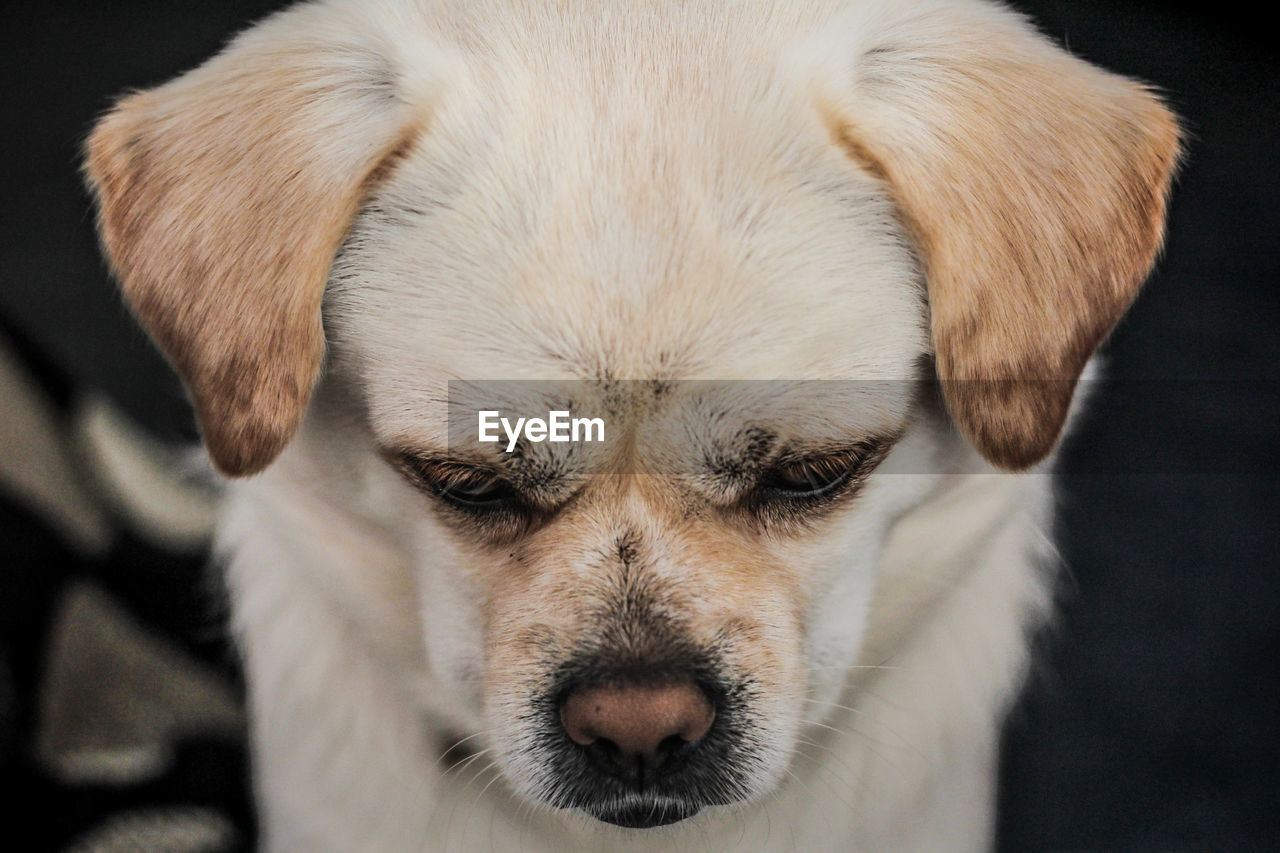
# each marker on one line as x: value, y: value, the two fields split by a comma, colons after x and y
x: 608, y: 749
x: 635, y: 767
x: 670, y: 746
x: 637, y: 728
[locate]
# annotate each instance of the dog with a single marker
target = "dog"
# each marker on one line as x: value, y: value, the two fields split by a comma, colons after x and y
x: 826, y: 272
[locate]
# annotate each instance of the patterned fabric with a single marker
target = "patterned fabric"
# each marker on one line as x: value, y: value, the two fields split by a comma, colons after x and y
x: 121, y: 717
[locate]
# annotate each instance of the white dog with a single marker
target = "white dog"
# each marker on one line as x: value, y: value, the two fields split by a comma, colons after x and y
x: 782, y: 614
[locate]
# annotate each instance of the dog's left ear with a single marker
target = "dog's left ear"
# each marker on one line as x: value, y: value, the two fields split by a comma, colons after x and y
x: 223, y: 197
x: 1034, y: 186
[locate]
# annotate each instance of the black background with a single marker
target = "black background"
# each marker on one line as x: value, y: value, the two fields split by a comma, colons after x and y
x: 1151, y: 721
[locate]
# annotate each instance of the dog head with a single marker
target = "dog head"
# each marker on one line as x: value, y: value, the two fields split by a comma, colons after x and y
x: 603, y: 209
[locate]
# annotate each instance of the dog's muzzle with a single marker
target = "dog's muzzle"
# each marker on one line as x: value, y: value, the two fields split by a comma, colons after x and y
x: 643, y: 752
x: 637, y: 735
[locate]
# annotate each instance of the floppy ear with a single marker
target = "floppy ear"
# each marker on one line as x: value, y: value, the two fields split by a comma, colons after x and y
x: 1034, y: 186
x: 223, y: 197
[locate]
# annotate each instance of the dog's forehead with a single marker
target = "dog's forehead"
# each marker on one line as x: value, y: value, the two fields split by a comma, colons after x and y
x: 585, y: 220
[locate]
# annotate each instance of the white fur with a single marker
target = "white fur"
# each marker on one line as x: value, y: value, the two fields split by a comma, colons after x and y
x: 624, y: 189
x: 902, y: 759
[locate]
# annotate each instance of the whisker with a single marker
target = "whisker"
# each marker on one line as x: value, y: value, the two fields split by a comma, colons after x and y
x: 820, y: 763
x: 834, y: 705
x: 462, y: 765
x: 808, y: 722
x: 842, y: 785
x: 460, y: 741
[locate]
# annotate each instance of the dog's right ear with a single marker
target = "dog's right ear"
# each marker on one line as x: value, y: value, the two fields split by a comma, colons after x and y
x: 1034, y: 187
x: 223, y: 197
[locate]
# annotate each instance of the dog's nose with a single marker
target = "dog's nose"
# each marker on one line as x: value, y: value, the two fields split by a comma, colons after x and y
x: 635, y: 729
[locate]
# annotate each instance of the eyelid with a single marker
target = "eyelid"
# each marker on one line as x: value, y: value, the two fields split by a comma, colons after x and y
x: 437, y: 474
x: 821, y: 475
x: 495, y: 522
x: 831, y: 464
x: 842, y: 466
x: 457, y: 475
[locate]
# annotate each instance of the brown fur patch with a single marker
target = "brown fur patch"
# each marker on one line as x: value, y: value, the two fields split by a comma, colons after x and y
x: 1035, y: 187
x: 223, y: 197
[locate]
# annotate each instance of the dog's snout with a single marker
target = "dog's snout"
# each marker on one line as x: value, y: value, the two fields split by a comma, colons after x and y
x: 635, y: 729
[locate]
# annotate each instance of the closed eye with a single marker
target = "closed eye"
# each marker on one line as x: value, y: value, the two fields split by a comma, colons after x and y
x: 471, y: 489
x: 475, y: 489
x: 797, y: 488
x: 809, y: 478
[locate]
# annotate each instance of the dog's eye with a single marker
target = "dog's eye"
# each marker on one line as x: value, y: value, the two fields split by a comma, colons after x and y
x: 474, y: 489
x: 811, y: 478
x: 462, y: 486
x: 474, y: 497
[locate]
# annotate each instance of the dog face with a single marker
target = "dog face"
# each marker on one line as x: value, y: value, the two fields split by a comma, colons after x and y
x: 686, y: 548
x: 751, y: 244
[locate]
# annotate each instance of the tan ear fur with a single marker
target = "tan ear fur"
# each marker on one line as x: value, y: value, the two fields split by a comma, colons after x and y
x: 223, y: 197
x: 1035, y: 187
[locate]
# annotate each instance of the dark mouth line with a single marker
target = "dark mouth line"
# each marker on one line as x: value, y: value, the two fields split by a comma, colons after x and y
x: 612, y: 802
x: 645, y: 813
